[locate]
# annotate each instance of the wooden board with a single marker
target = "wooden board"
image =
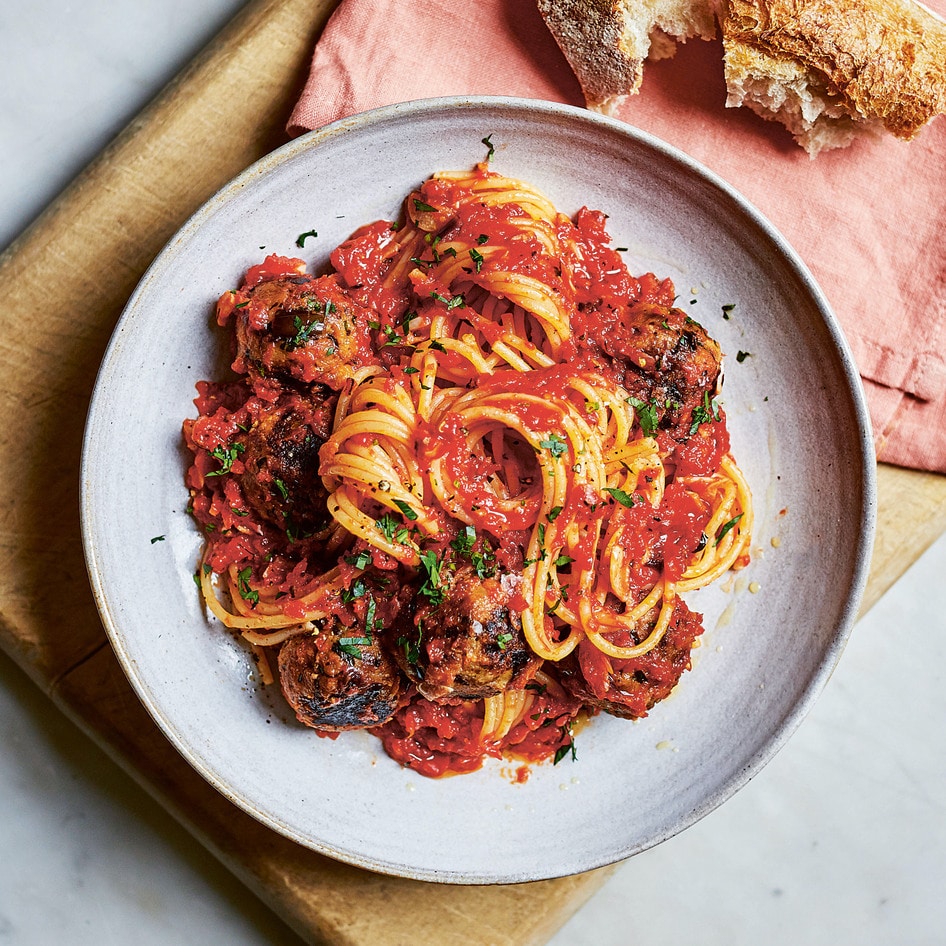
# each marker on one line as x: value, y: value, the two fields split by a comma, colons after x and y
x: 64, y: 283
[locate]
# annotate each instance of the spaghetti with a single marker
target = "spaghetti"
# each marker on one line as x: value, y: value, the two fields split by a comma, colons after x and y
x: 459, y: 483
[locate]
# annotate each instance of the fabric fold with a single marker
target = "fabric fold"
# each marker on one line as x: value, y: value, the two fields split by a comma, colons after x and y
x: 869, y: 221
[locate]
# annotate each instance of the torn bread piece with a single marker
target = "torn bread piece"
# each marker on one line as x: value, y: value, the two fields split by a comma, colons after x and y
x: 607, y: 41
x: 830, y: 70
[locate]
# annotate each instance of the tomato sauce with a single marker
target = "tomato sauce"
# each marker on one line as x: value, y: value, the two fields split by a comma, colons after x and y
x: 295, y: 332
x: 438, y: 739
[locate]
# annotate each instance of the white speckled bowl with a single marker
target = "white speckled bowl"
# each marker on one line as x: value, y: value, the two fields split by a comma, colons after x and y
x: 773, y: 633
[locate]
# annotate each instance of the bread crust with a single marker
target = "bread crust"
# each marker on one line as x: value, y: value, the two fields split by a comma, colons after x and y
x: 590, y: 33
x: 880, y: 60
x: 607, y: 41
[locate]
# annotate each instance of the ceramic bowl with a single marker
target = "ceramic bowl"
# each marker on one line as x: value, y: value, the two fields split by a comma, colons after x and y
x: 773, y: 631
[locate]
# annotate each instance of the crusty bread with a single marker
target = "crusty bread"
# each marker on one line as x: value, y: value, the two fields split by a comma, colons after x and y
x: 786, y: 91
x: 607, y: 41
x: 827, y: 69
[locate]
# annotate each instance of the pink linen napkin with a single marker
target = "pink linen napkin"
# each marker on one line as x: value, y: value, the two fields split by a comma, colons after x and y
x: 868, y: 220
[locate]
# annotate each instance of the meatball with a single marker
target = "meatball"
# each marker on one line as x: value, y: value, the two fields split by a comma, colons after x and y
x: 470, y: 644
x: 281, y: 481
x: 630, y: 688
x: 339, y: 679
x: 667, y: 360
x: 302, y: 328
x: 673, y: 364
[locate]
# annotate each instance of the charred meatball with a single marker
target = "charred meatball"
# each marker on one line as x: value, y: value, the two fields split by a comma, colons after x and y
x: 302, y: 328
x: 665, y: 359
x: 674, y: 363
x: 469, y: 645
x: 630, y: 688
x: 281, y: 481
x: 339, y: 679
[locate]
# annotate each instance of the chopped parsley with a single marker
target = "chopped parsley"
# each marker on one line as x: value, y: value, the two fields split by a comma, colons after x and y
x: 646, y: 415
x: 243, y: 586
x: 566, y: 748
x: 305, y: 330
x: 411, y: 648
x: 422, y: 207
x: 704, y: 413
x: 431, y: 589
x: 554, y: 444
x: 392, y: 528
x: 352, y: 645
x: 362, y: 560
x: 300, y: 240
x: 409, y: 513
x: 357, y: 589
x: 456, y: 302
x: 741, y: 356
x: 625, y: 499
x: 464, y: 542
x: 488, y: 141
x: 227, y: 456
x: 727, y: 527
x: 483, y: 563
x: 158, y: 538
x: 477, y: 258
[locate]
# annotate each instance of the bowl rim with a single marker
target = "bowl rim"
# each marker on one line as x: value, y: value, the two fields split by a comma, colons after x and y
x: 534, y: 108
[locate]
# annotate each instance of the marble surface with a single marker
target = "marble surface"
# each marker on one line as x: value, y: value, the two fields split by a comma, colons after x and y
x: 840, y: 840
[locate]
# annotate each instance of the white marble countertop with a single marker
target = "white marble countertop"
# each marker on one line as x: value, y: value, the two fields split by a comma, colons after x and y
x: 840, y: 840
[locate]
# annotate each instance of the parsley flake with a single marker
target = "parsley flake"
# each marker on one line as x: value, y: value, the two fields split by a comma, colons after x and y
x: 352, y: 645
x: 464, y: 542
x: 362, y: 560
x: 625, y: 499
x: 305, y: 330
x: 410, y: 648
x: 554, y: 444
x: 409, y: 513
x: 566, y: 748
x: 727, y: 527
x: 431, y: 588
x: 227, y: 457
x: 646, y: 415
x: 456, y: 302
x: 243, y: 586
x: 704, y: 413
